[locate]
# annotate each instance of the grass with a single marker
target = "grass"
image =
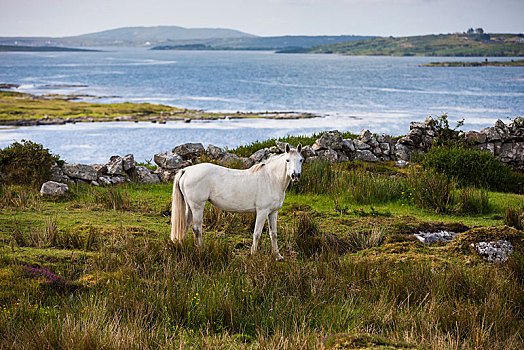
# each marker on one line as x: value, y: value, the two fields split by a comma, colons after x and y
x: 96, y: 270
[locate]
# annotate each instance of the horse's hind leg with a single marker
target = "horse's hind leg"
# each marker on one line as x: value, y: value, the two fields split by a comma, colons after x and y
x: 259, y: 226
x: 273, y: 233
x: 197, y: 211
x: 189, y: 216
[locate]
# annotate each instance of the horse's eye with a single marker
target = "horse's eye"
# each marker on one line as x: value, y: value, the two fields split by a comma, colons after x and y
x: 287, y: 160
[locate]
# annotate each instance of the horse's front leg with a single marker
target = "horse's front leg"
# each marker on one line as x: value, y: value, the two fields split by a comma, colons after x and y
x: 273, y: 234
x: 259, y: 226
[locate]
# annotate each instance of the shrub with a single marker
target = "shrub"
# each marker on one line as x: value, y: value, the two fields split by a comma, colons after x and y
x: 26, y: 163
x: 473, y: 168
x: 432, y: 190
x: 472, y: 201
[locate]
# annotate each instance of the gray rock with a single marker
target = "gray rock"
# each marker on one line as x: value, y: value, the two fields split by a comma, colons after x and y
x: 342, y: 157
x: 57, y: 175
x: 312, y: 159
x: 359, y: 145
x: 493, y: 251
x: 491, y: 134
x: 229, y: 159
x: 385, y: 147
x: 474, y: 137
x: 384, y: 138
x: 104, y: 180
x: 260, y: 155
x: 169, y: 160
x: 115, y: 166
x: 214, y: 152
x: 282, y: 146
x: 117, y: 180
x: 53, y: 188
x: 143, y: 175
x: 402, y: 152
x: 518, y: 122
x: 308, y: 152
x: 165, y: 175
x: 348, y: 145
x: 101, y: 169
x: 401, y: 163
x: 434, y: 237
x: 365, y: 155
x: 248, y: 162
x: 329, y: 140
x: 373, y: 142
x: 80, y: 171
x: 189, y: 150
x: 95, y: 183
x: 377, y: 151
x: 328, y: 154
x: 128, y: 162
x: 365, y: 136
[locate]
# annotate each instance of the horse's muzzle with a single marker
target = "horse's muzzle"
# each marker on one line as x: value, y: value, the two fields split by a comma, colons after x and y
x: 295, y: 177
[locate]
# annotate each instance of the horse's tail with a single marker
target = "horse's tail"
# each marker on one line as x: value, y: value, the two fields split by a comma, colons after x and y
x: 178, y: 211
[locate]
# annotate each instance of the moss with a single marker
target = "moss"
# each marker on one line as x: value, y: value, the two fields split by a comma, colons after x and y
x: 489, y: 234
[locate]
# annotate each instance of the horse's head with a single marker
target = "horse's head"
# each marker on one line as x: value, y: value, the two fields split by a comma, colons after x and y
x: 294, y: 162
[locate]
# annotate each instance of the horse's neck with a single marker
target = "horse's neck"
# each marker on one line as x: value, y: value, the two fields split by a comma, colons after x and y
x: 276, y: 170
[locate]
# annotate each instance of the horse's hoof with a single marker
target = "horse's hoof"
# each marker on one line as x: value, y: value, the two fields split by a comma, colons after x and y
x: 279, y: 258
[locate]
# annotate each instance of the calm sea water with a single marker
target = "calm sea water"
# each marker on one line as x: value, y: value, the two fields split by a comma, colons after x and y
x: 380, y: 93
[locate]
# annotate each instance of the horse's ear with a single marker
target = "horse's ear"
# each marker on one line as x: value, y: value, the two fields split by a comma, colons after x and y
x: 287, y: 148
x: 299, y: 148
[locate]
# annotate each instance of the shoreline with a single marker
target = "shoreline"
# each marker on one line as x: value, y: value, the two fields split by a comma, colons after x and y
x: 42, y: 110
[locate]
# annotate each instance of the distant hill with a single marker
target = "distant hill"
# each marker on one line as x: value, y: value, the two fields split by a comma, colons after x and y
x: 429, y: 45
x: 262, y: 43
x: 131, y: 36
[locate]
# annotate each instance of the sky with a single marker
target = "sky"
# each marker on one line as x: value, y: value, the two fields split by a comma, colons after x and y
x: 263, y: 17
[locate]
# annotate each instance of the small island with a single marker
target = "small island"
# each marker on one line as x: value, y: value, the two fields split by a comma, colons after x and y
x: 24, y: 109
x: 485, y: 63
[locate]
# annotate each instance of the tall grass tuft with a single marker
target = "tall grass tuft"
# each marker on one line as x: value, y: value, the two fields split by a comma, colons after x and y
x: 432, y: 190
x: 360, y: 240
x: 472, y: 201
x: 369, y: 188
x: 317, y: 177
x: 514, y: 217
x: 114, y: 197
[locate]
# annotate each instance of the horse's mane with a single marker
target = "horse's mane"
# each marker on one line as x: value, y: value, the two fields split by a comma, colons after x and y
x: 271, y: 159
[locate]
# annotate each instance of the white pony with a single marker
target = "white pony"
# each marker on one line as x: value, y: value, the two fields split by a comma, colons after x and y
x: 259, y: 189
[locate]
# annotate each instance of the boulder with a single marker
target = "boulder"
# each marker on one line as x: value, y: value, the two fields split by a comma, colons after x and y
x: 308, y: 152
x: 384, y: 138
x: 189, y: 150
x: 474, y: 137
x: 260, y: 155
x: 214, y: 152
x: 101, y: 169
x: 385, y: 147
x: 365, y: 136
x: 115, y: 166
x: 493, y: 251
x: 143, y: 175
x: 328, y: 154
x: 169, y: 160
x: 359, y: 145
x: 401, y: 163
x: 80, y: 171
x: 491, y: 134
x: 229, y: 159
x: 348, y: 145
x: 402, y: 152
x: 365, y: 155
x: 53, y: 188
x: 128, y: 162
x: 57, y: 175
x: 329, y: 140
x: 282, y: 146
x: 165, y: 175
x: 342, y: 157
x: 248, y: 162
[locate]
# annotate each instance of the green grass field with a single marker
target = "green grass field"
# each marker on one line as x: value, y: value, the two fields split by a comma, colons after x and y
x: 96, y: 270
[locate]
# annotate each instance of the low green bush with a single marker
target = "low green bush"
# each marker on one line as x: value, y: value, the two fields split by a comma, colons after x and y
x: 432, y: 190
x: 471, y: 167
x: 26, y: 163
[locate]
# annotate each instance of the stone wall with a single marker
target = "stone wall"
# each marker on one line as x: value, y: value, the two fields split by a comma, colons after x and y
x: 504, y: 141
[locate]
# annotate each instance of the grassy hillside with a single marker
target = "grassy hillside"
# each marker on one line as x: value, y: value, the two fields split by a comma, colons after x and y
x: 429, y: 45
x: 96, y: 270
